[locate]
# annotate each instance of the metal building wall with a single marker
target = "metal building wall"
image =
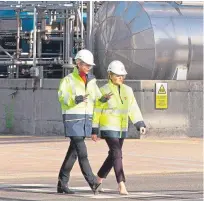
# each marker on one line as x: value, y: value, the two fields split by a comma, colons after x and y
x: 38, y: 112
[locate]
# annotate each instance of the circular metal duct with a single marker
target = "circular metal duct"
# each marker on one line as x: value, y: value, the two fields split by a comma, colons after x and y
x: 151, y: 38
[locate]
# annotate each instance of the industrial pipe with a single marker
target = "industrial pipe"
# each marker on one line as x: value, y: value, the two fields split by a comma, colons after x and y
x: 18, y: 41
x: 34, y: 37
x: 90, y: 14
x: 82, y: 25
x: 15, y: 62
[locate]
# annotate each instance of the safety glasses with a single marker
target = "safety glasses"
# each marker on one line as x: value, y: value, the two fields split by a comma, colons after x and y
x: 86, y: 65
x: 123, y: 76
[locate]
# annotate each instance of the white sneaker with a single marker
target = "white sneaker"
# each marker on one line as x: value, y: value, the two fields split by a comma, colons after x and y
x: 122, y: 189
x: 101, y: 189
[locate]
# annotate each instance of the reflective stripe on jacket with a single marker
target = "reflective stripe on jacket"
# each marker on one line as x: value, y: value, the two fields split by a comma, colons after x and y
x: 77, y: 118
x: 111, y: 118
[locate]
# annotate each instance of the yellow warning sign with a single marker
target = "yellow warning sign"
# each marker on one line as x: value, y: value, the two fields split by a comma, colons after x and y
x: 161, y: 99
x: 162, y: 90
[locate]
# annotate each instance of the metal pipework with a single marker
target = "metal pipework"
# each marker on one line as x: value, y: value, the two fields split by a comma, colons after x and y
x: 71, y: 34
x: 90, y: 14
x: 40, y: 29
x: 3, y: 50
x: 41, y: 76
x: 50, y: 17
x: 43, y: 25
x: 77, y: 31
x: 30, y: 44
x: 34, y: 36
x: 66, y: 41
x: 28, y: 63
x: 54, y: 15
x: 60, y: 34
x: 50, y: 38
x: 18, y: 41
x: 48, y: 7
x: 82, y: 25
x: 53, y: 31
x: 39, y: 44
x: 151, y: 42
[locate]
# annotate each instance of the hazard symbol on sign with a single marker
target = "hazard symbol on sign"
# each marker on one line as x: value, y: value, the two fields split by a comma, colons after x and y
x: 161, y: 101
x: 162, y: 90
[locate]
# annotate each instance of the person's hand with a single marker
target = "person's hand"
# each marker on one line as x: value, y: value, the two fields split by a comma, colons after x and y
x: 85, y: 98
x: 106, y: 97
x: 94, y: 137
x: 142, y: 130
x: 80, y: 98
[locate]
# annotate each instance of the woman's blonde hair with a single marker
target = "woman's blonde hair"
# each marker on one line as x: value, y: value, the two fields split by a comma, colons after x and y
x: 109, y: 75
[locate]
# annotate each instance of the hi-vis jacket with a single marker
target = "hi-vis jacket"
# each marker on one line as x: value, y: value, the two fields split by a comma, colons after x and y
x: 77, y: 118
x: 111, y: 118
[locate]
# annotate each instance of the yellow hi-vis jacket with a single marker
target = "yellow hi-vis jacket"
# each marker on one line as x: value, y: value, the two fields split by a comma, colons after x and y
x: 110, y: 119
x: 77, y: 118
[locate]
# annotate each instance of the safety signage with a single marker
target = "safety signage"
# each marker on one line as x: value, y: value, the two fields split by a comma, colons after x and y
x: 161, y: 96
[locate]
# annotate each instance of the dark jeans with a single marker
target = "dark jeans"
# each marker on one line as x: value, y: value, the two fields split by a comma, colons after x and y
x: 114, y: 159
x: 78, y: 148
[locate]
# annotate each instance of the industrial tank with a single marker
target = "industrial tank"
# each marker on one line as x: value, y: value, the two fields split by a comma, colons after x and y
x: 151, y: 38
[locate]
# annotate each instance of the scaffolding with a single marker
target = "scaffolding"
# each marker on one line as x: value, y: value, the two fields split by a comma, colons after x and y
x: 58, y: 31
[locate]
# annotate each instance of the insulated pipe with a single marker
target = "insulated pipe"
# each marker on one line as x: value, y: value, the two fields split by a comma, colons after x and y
x: 54, y: 38
x: 90, y: 14
x: 39, y: 40
x: 64, y: 38
x: 24, y: 54
x: 31, y: 44
x: 77, y: 31
x: 10, y: 50
x: 34, y: 37
x: 71, y: 36
x: 82, y: 25
x: 50, y: 17
x: 54, y: 15
x: 41, y: 76
x: 15, y: 62
x: 66, y: 42
x: 39, y: 44
x: 43, y: 22
x: 152, y: 42
x: 61, y: 35
x: 54, y: 31
x: 34, y: 45
x: 18, y: 41
x: 51, y: 54
x: 68, y: 37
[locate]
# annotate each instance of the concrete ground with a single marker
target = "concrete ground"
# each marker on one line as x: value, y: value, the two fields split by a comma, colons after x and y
x: 155, y: 169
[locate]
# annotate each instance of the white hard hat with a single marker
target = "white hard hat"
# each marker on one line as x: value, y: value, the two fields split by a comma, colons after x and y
x: 86, y: 56
x: 117, y: 67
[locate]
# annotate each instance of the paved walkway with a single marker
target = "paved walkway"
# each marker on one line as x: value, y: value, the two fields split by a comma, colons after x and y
x: 27, y: 157
x: 155, y: 169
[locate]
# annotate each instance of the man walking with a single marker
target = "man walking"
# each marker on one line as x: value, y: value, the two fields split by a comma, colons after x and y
x: 77, y: 94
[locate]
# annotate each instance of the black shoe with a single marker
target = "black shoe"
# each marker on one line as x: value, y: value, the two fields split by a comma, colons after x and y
x: 63, y: 188
x: 95, y: 188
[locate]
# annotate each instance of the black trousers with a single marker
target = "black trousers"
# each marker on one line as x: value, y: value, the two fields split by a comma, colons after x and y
x: 76, y: 148
x: 114, y: 159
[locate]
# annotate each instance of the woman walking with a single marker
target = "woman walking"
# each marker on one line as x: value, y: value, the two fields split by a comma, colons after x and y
x: 110, y: 121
